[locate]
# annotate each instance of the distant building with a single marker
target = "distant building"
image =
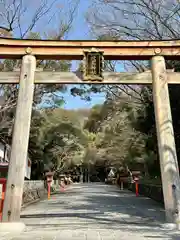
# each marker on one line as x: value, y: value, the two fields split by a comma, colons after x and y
x: 4, y: 158
x: 5, y: 150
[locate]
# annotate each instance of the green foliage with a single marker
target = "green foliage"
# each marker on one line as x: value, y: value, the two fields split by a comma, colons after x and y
x: 45, y: 95
x: 142, y: 20
x: 57, y: 140
x: 125, y: 136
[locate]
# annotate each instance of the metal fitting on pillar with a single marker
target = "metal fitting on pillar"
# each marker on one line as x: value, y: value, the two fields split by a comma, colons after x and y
x: 28, y: 50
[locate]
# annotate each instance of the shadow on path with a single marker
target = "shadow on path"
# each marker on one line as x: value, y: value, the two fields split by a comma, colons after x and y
x: 98, y: 206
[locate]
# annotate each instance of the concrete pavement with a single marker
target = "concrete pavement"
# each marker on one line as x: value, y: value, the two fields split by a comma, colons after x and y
x: 93, y: 212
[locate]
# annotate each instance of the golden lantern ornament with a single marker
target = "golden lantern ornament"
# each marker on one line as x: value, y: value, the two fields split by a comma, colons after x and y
x: 93, y: 64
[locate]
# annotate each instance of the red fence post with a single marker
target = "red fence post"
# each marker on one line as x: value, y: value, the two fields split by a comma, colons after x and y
x: 49, y: 177
x: 2, y: 195
x: 136, y: 186
x: 137, y: 189
x: 49, y: 190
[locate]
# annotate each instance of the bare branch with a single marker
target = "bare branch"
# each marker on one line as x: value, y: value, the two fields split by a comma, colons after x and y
x: 136, y: 19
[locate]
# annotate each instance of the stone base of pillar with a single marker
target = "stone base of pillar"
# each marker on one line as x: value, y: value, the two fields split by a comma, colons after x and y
x: 12, y: 227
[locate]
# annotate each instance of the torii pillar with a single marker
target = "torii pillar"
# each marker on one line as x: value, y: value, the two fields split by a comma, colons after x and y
x: 166, y: 143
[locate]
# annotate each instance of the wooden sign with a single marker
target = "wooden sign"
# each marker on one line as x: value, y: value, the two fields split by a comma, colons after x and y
x: 93, y: 65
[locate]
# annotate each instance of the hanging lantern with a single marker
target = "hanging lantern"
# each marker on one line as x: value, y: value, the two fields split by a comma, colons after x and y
x: 93, y: 65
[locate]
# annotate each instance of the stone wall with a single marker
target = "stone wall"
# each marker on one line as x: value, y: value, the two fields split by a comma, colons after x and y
x: 33, y: 190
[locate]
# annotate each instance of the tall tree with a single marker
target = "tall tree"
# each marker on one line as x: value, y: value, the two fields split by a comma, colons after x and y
x: 23, y: 19
x: 57, y: 140
x: 142, y: 20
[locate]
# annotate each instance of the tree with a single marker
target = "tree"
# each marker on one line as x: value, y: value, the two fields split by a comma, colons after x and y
x: 57, y: 140
x: 18, y: 18
x: 117, y: 143
x: 136, y: 19
x: 142, y: 20
x: 23, y: 20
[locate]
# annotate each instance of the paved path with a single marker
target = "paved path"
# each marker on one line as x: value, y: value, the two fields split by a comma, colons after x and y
x: 94, y: 212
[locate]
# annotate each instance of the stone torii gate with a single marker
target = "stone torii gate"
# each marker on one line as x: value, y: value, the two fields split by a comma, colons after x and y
x: 31, y: 50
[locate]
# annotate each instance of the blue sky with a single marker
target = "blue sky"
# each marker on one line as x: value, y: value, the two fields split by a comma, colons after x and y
x: 72, y: 102
x: 80, y: 27
x: 80, y: 31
